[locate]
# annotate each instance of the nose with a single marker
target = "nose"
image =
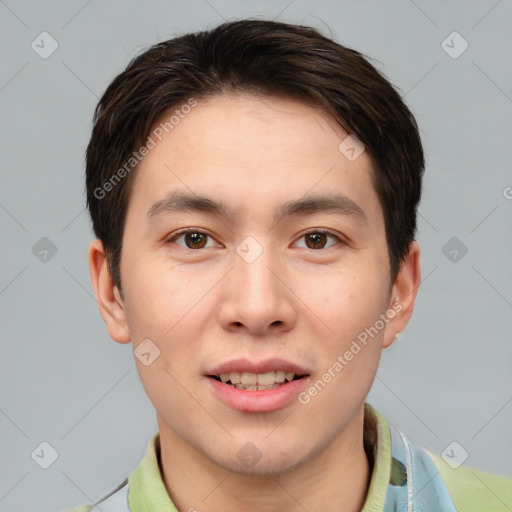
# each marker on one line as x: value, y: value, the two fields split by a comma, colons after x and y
x: 256, y: 297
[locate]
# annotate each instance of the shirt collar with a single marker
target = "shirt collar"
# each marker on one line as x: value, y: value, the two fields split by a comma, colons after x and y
x: 376, y: 434
x: 148, y: 492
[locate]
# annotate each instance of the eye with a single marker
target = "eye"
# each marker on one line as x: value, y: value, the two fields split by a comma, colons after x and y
x: 317, y: 238
x: 194, y: 238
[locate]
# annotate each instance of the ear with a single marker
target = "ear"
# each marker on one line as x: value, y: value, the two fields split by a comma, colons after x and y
x: 107, y: 294
x: 403, y: 294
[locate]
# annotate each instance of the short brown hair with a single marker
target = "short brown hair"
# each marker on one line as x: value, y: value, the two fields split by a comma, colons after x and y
x: 261, y: 57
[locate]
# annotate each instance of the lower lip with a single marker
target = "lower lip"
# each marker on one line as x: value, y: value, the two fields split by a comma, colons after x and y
x: 258, y: 401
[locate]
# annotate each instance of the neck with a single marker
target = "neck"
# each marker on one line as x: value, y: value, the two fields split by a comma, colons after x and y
x: 336, y: 479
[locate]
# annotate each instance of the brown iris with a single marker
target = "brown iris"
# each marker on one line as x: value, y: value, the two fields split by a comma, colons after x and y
x: 315, y: 238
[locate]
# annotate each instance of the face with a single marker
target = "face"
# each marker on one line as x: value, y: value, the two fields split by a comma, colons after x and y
x: 258, y: 287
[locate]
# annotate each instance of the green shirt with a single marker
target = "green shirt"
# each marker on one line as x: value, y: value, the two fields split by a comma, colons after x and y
x: 405, y: 478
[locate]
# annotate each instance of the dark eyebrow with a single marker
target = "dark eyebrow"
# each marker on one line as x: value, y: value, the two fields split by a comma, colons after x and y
x: 182, y: 201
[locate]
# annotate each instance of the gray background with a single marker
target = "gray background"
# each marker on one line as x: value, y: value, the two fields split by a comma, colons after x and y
x: 64, y: 381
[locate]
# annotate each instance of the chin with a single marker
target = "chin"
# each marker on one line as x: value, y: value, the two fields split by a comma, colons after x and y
x: 249, y: 461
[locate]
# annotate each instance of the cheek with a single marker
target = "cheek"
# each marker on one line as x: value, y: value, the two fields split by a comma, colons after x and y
x: 165, y: 309
x: 173, y: 349
x: 159, y: 300
x: 162, y: 385
x: 351, y: 351
x: 350, y: 302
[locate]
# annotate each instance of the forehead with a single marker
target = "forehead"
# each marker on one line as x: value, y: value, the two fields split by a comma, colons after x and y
x: 248, y: 151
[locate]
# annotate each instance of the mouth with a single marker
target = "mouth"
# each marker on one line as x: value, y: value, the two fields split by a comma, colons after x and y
x: 257, y: 381
x: 257, y: 386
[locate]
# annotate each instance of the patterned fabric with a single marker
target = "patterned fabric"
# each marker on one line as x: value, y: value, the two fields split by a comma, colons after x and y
x: 414, y: 481
x: 405, y: 478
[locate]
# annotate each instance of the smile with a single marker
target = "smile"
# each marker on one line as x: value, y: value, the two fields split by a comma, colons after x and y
x: 256, y: 381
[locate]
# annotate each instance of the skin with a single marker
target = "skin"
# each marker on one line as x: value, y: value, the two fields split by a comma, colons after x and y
x: 205, y: 306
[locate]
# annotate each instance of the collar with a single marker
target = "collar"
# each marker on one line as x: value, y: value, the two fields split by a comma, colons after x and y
x: 148, y: 492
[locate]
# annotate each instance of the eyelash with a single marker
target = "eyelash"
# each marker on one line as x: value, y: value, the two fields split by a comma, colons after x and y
x: 198, y: 231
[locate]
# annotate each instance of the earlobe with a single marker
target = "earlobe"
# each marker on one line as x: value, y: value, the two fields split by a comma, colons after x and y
x: 403, y: 295
x: 110, y: 303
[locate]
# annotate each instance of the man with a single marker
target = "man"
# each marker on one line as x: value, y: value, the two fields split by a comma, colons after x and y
x: 253, y: 190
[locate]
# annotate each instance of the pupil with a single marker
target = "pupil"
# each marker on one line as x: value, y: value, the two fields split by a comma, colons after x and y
x: 315, y: 237
x: 195, y: 237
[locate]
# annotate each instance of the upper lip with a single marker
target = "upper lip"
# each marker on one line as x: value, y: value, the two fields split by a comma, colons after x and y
x: 267, y: 365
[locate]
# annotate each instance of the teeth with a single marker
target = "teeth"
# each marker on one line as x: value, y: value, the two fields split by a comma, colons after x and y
x: 257, y: 387
x: 280, y: 376
x: 249, y: 379
x: 266, y: 379
x: 235, y: 377
x: 246, y: 380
